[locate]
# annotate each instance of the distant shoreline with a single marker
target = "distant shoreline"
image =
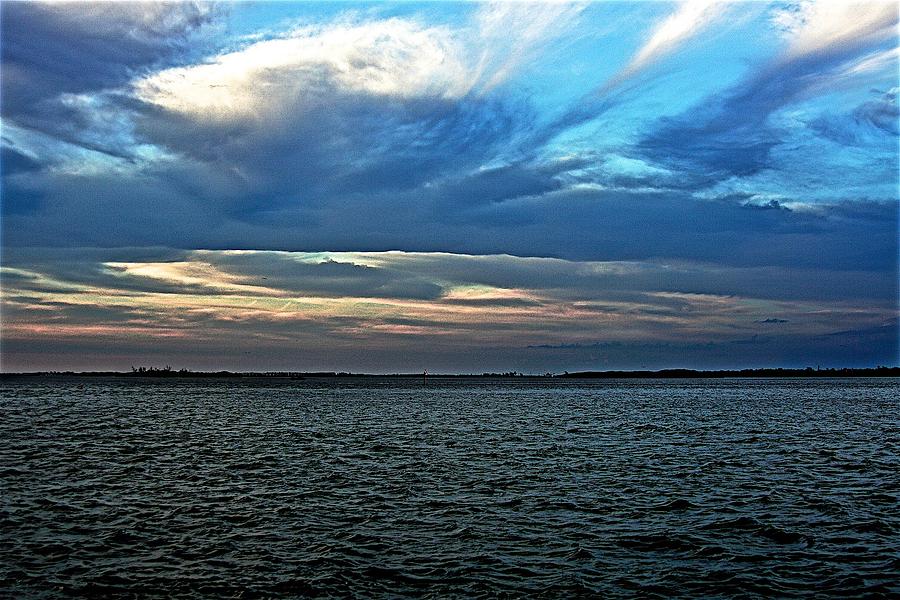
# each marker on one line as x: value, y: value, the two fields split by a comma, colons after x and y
x: 152, y: 373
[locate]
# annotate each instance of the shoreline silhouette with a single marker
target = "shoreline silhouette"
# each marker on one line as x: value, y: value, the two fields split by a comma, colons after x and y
x: 168, y: 372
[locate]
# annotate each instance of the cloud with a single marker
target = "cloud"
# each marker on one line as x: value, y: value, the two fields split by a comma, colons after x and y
x: 522, y: 211
x: 872, y: 123
x: 319, y: 149
x: 760, y: 351
x: 689, y: 20
x: 398, y: 96
x: 325, y: 113
x: 15, y: 161
x: 818, y: 27
x: 329, y: 158
x: 536, y: 26
x: 376, y: 105
x: 265, y: 80
x: 55, y: 48
x: 885, y: 60
x: 881, y: 114
x: 63, y: 61
x: 389, y: 118
x: 730, y: 134
x: 218, y: 309
x: 343, y: 145
x: 323, y: 277
x: 395, y: 58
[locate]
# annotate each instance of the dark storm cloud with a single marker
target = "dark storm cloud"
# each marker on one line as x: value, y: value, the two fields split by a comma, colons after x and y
x: 329, y: 144
x: 627, y: 281
x: 53, y: 49
x: 327, y: 278
x: 493, y: 302
x: 15, y: 162
x: 14, y: 168
x: 580, y: 224
x: 50, y: 49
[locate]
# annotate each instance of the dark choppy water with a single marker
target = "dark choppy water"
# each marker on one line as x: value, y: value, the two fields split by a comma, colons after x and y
x: 380, y: 487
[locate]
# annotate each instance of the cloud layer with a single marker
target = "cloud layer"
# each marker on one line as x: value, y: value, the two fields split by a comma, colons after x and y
x: 395, y: 311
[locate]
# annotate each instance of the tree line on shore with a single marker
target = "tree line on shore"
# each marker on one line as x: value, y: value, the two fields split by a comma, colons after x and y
x: 167, y: 371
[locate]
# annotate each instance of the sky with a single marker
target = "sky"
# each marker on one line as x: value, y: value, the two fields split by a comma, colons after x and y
x: 458, y: 187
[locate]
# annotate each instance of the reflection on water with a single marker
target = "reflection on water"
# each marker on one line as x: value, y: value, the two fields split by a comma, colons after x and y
x: 465, y: 487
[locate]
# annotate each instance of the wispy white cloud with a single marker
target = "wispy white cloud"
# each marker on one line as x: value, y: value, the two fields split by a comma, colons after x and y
x: 872, y: 63
x: 509, y: 35
x: 690, y: 19
x: 818, y: 26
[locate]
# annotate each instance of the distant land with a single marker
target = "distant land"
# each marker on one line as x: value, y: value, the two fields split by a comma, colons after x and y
x: 168, y: 372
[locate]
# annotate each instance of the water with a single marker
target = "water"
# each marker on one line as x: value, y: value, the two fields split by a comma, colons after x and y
x: 380, y: 487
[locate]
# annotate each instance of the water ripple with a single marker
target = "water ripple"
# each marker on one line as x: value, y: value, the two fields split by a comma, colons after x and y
x: 477, y: 488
